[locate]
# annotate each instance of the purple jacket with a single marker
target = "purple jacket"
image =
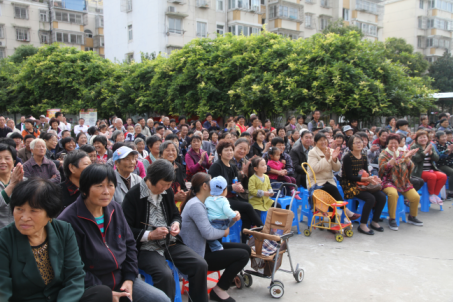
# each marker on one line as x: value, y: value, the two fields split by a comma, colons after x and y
x: 46, y: 170
x: 109, y: 261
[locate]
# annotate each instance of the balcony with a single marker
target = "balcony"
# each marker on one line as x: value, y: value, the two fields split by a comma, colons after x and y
x: 177, y: 1
x: 326, y: 3
x: 202, y: 4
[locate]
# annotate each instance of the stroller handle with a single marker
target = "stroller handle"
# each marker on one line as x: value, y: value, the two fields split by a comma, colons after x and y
x: 288, y: 184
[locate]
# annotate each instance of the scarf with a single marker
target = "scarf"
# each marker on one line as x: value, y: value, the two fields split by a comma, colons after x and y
x: 153, y: 159
x: 391, y: 152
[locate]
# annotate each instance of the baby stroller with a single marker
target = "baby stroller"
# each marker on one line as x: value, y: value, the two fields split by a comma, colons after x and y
x: 277, y: 231
x: 322, y: 202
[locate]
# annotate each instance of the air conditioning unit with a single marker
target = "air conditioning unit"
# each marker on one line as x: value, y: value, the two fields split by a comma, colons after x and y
x: 172, y: 9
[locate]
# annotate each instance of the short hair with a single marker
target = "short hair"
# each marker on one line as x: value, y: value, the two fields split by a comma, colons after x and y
x: 389, y: 119
x: 138, y: 125
x: 160, y: 128
x: 208, y: 114
x: 115, y: 134
x: 102, y: 139
x: 79, y: 135
x: 423, y: 118
x: 393, y: 136
x: 74, y: 159
x: 363, y: 134
x: 35, y: 141
x: 402, y: 122
x: 244, y: 134
x: 196, y: 137
x: 150, y: 141
x: 439, y: 134
x: 448, y: 132
x: 300, y: 117
x: 184, y: 125
x: 29, y: 120
x: 16, y: 135
x: 212, y: 133
x: 253, y: 118
x: 420, y: 133
x: 241, y: 141
x: 318, y: 136
x: 443, y: 114
x: 53, y: 120
x: 5, y: 147
x: 165, y: 145
x: 66, y: 140
x: 442, y: 120
x: 40, y: 194
x: 28, y: 136
x: 241, y: 116
x: 48, y: 136
x: 57, y: 114
x: 139, y: 140
x: 172, y: 120
x: 317, y: 110
x: 338, y: 134
x: 305, y: 133
x: 95, y: 174
x: 118, y: 145
x: 277, y: 140
x: 256, y: 132
x: 87, y: 148
x: 171, y: 137
x: 351, y: 141
x: 182, y: 117
x: 92, y: 130
x: 160, y: 169
x: 222, y: 145
x: 383, y: 130
x: 64, y: 131
x: 268, y: 135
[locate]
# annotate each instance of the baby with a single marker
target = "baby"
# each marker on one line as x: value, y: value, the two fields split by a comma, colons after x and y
x: 275, y: 163
x: 219, y: 212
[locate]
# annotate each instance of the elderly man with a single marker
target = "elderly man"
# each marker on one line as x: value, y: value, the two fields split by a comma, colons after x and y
x: 25, y: 153
x: 119, y: 125
x: 43, y: 125
x: 150, y: 125
x: 4, y: 130
x: 299, y: 155
x: 38, y: 165
x: 125, y: 160
x: 81, y: 127
x: 21, y: 126
x: 166, y: 122
x: 145, y: 130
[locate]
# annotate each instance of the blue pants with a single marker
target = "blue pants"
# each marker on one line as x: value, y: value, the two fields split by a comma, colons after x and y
x: 221, y: 224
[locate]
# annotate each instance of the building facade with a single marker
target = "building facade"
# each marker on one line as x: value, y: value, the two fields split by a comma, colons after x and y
x: 141, y: 26
x: 77, y: 23
x: 425, y: 24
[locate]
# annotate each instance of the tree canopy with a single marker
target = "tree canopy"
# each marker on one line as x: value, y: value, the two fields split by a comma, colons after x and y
x: 398, y: 50
x: 442, y: 73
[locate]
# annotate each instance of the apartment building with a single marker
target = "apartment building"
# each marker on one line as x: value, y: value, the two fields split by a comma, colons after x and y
x: 77, y: 23
x: 141, y: 26
x: 425, y: 24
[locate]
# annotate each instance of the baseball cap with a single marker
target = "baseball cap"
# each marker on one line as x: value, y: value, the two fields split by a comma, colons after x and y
x: 42, y: 115
x: 347, y: 128
x: 218, y: 185
x: 122, y: 152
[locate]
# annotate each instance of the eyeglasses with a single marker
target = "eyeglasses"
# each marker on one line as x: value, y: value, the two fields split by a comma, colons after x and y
x: 358, y: 143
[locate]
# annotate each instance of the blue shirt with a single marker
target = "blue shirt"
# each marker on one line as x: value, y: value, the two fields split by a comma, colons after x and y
x: 219, y: 208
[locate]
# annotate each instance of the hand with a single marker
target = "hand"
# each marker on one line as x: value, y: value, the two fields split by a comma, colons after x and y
x: 269, y: 194
x: 335, y: 154
x: 54, y: 176
x: 327, y: 154
x: 117, y: 295
x: 180, y: 196
x: 203, y: 155
x: 158, y: 234
x: 210, y: 158
x: 127, y: 287
x: 174, y: 230
x: 410, y: 153
x: 428, y: 148
x: 237, y: 187
x: 283, y: 161
x: 374, y: 148
x: 227, y: 232
x: 238, y: 216
x: 245, y: 169
x: 17, y: 175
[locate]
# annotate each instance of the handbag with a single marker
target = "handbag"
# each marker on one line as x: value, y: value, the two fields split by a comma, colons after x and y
x: 366, y: 186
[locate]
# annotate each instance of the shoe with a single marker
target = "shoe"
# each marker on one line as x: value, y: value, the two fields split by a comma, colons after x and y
x: 414, y: 221
x: 379, y: 229
x: 439, y: 201
x: 370, y: 232
x: 392, y: 225
x: 433, y: 199
x: 213, y: 296
x: 354, y: 217
x: 297, y: 197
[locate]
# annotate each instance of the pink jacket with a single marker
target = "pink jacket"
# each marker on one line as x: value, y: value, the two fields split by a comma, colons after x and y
x: 276, y: 165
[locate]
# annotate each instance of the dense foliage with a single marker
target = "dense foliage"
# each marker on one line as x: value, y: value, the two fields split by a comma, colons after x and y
x: 442, y: 73
x: 266, y: 73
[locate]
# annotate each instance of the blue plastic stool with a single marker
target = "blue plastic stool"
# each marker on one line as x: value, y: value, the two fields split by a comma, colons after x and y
x: 235, y: 233
x: 149, y: 280
x: 424, y: 199
x: 263, y: 216
x: 284, y: 202
x: 400, y: 212
x: 305, y: 206
x: 351, y: 202
x: 361, y: 203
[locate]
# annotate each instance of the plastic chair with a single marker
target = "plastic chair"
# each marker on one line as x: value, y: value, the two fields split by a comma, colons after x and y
x: 361, y: 203
x: 263, y: 216
x: 185, y: 283
x: 351, y: 202
x: 235, y: 233
x: 285, y: 202
x: 424, y: 199
x: 149, y: 280
x: 400, y: 212
x: 305, y: 210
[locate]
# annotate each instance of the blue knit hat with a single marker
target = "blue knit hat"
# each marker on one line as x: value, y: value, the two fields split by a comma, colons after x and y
x: 218, y: 185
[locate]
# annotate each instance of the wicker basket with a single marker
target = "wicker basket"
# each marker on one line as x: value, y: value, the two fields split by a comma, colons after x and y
x: 322, y: 200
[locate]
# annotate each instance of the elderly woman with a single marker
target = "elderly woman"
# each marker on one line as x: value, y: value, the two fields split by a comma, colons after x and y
x: 54, y: 123
x: 140, y: 144
x: 51, y: 140
x: 281, y: 132
x: 153, y: 142
x: 154, y: 219
x: 125, y: 160
x: 197, y: 160
x: 240, y: 126
x: 106, y: 244
x: 197, y: 229
x: 354, y: 162
x: 68, y: 144
x: 241, y: 149
x: 259, y: 146
x: 445, y: 151
x: 74, y: 164
x: 324, y: 162
x: 168, y: 151
x: 395, y: 168
x: 443, y: 125
x: 228, y: 170
x: 102, y: 153
x: 8, y: 181
x: 300, y: 123
x: 118, y: 136
x: 81, y: 139
x: 39, y: 165
x: 18, y: 139
x: 39, y: 257
x: 425, y: 166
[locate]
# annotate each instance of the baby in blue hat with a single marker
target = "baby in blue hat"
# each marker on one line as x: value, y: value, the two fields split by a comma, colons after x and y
x: 219, y: 212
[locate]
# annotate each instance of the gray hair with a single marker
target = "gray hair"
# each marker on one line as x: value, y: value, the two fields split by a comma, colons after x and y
x: 138, y: 126
x: 115, y: 134
x: 139, y: 140
x: 36, y: 140
x: 150, y: 119
x: 198, y: 133
x: 164, y: 146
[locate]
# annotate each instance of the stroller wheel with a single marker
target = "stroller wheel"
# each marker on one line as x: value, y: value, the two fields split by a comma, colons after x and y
x: 339, y: 238
x: 299, y: 275
x: 277, y: 282
x: 349, y: 233
x: 248, y: 280
x: 239, y: 281
x: 307, y: 232
x: 276, y: 291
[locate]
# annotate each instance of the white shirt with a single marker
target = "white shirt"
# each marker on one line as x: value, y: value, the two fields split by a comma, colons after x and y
x: 64, y: 127
x: 79, y: 128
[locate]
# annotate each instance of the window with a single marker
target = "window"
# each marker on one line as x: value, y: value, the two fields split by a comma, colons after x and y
x: 273, y: 11
x: 21, y: 12
x: 324, y: 23
x: 129, y: 9
x: 308, y: 21
x: 130, y: 57
x: 175, y: 25
x: 201, y: 29
x: 69, y: 38
x: 44, y: 38
x: 220, y: 5
x: 366, y: 6
x: 68, y: 17
x: 283, y: 11
x: 22, y: 34
x: 419, y: 42
x: 263, y: 2
x: 421, y: 4
x: 346, y: 14
x: 325, y: 3
x: 88, y: 33
x: 294, y: 13
x: 88, y: 48
x: 129, y: 31
x: 43, y: 16
x: 1, y: 32
x: 2, y: 53
x: 220, y: 29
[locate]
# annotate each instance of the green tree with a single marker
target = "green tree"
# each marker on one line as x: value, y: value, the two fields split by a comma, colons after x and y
x: 22, y: 53
x: 340, y: 28
x: 398, y: 50
x: 442, y: 73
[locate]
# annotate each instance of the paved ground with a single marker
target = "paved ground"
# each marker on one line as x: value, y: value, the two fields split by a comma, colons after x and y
x: 413, y: 264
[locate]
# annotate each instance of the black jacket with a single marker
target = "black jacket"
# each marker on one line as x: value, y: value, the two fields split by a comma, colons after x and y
x: 66, y: 198
x: 219, y: 169
x: 136, y: 211
x: 298, y: 157
x: 109, y: 261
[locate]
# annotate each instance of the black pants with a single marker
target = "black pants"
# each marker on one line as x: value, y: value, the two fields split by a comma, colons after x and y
x: 98, y: 293
x: 233, y: 258
x: 248, y: 214
x: 186, y: 261
x: 374, y: 200
x: 332, y: 190
x: 259, y: 212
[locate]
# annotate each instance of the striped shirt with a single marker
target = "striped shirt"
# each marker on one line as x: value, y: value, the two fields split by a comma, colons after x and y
x: 100, y: 223
x: 427, y: 165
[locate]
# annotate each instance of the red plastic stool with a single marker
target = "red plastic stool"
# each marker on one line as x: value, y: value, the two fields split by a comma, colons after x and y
x: 185, y: 284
